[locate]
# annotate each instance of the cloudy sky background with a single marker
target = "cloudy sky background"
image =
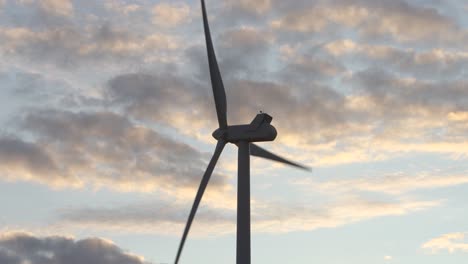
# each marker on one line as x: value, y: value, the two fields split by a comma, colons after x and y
x: 106, y: 116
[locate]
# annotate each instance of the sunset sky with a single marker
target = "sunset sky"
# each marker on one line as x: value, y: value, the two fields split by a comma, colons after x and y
x: 106, y: 116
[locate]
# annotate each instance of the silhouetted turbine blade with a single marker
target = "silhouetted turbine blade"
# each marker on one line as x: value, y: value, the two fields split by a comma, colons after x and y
x: 198, y: 197
x: 263, y: 153
x: 216, y: 81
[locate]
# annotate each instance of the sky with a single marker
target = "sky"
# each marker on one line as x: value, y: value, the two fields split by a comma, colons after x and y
x: 106, y: 115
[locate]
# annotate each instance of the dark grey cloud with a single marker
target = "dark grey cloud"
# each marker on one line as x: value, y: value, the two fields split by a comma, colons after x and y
x: 16, y: 153
x: 19, y: 248
x: 243, y: 50
x: 99, y: 149
x: 8, y: 258
x: 395, y: 95
x: 31, y: 88
x: 27, y: 89
x: 37, y: 14
x: 160, y: 97
x: 312, y: 106
x: 309, y: 66
x: 25, y: 83
x: 152, y: 97
x: 434, y: 64
x: 412, y: 109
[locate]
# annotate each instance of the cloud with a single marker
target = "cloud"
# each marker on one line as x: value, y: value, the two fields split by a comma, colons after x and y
x: 428, y: 64
x: 25, y: 158
x: 400, y: 20
x: 452, y: 242
x: 382, y: 108
x: 329, y: 108
x: 317, y: 18
x: 381, y: 103
x: 158, y: 97
x: 310, y: 66
x: 30, y: 87
x: 360, y: 81
x: 170, y: 15
x: 395, y: 184
x: 241, y: 51
x: 18, y: 248
x: 57, y: 7
x: 70, y: 46
x: 406, y: 23
x: 99, y: 149
x: 356, y: 111
x: 39, y: 14
x: 302, y: 217
x: 249, y: 6
x: 162, y: 216
x: 121, y: 7
x: 169, y: 217
x: 53, y: 33
x: 410, y: 96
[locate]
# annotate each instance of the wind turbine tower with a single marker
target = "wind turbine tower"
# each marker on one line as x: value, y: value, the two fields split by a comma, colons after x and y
x: 243, y: 136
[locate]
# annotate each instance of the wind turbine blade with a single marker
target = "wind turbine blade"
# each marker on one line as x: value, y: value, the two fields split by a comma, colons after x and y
x: 198, y: 197
x: 263, y: 153
x: 216, y: 81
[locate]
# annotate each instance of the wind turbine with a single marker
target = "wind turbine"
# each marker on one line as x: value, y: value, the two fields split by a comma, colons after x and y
x: 242, y: 136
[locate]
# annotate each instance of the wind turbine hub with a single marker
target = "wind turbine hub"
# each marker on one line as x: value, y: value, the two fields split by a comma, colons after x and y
x: 258, y: 130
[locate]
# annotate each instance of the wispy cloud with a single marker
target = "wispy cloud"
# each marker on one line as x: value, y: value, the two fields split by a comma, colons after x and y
x: 388, y: 184
x: 452, y: 242
x: 372, y: 19
x: 168, y: 217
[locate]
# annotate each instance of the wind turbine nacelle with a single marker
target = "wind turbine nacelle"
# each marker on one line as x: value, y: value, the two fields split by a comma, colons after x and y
x: 258, y: 130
